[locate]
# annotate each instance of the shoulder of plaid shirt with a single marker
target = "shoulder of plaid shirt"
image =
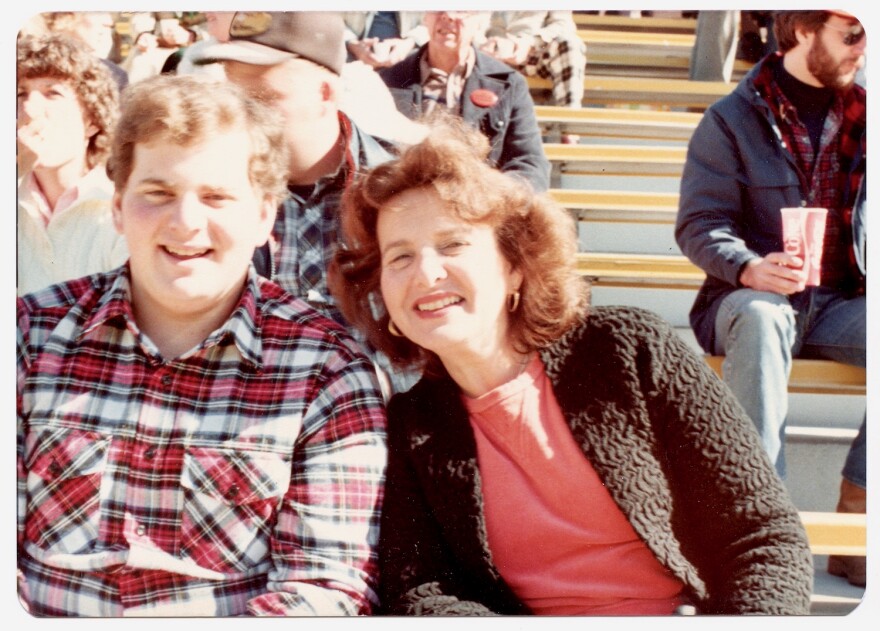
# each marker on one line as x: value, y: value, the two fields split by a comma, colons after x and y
x: 267, y: 497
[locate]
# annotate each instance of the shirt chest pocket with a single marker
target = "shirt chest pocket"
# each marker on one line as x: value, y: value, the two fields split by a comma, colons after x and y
x: 64, y: 472
x: 230, y: 503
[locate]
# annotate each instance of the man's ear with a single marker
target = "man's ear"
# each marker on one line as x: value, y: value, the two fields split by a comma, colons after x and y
x: 266, y: 219
x: 802, y: 35
x: 116, y: 211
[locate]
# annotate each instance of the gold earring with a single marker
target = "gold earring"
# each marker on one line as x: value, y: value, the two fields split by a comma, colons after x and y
x: 513, y: 301
x: 392, y: 328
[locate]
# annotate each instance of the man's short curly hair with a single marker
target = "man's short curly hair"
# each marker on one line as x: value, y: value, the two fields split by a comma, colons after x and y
x: 534, y: 234
x: 187, y: 110
x: 62, y: 57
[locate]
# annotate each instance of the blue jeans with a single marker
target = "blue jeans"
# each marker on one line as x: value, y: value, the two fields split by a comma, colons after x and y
x: 760, y: 332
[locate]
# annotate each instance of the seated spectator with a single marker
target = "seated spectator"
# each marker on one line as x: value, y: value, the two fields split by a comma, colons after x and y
x: 544, y: 44
x: 792, y: 134
x: 450, y: 74
x: 149, y: 61
x: 363, y: 95
x: 67, y: 106
x: 95, y: 29
x: 382, y: 38
x: 216, y: 24
x: 192, y: 440
x: 552, y: 460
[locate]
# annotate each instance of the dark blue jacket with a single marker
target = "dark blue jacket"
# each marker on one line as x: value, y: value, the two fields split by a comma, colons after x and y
x: 737, y: 176
x: 509, y: 125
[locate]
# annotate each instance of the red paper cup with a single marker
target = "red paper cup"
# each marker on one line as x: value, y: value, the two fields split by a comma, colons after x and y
x: 803, y: 234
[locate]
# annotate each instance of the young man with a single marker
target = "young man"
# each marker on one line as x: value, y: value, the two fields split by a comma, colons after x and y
x: 192, y: 440
x: 448, y: 73
x: 67, y: 106
x: 792, y: 134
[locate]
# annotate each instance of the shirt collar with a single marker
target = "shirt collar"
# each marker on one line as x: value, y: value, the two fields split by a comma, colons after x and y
x: 462, y: 70
x: 96, y: 178
x: 243, y: 326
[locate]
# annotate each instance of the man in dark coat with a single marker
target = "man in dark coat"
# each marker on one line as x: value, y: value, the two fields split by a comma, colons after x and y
x: 792, y: 134
x: 449, y: 73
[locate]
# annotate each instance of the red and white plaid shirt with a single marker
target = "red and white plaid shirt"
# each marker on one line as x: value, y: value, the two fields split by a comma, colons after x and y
x: 245, y: 476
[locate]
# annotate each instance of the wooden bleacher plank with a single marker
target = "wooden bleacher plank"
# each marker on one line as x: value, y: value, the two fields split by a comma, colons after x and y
x: 816, y: 376
x: 585, y: 159
x: 619, y: 206
x: 836, y: 533
x: 618, y: 122
x: 676, y: 43
x: 616, y: 90
x: 639, y: 270
x: 642, y: 50
x: 650, y: 271
x: 626, y: 23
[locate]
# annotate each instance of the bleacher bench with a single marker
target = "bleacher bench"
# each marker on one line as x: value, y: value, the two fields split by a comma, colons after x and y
x: 582, y: 159
x: 644, y: 53
x: 843, y: 534
x: 650, y: 271
x: 615, y: 206
x: 626, y: 23
x: 617, y: 122
x: 657, y: 92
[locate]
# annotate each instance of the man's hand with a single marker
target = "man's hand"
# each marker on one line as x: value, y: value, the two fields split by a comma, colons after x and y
x: 380, y: 53
x: 363, y: 51
x: 778, y: 272
x: 512, y: 51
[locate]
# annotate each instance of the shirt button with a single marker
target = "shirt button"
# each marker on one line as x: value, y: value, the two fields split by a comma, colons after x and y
x: 140, y: 531
x: 150, y: 453
x: 232, y: 492
x: 55, y: 468
x: 166, y: 380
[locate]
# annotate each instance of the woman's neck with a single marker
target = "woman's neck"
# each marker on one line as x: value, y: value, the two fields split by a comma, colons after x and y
x: 476, y: 374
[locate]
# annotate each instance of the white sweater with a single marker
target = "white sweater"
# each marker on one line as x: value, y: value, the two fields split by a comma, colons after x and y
x: 78, y: 241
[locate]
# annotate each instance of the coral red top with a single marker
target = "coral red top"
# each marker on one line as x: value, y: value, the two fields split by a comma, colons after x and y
x: 555, y: 534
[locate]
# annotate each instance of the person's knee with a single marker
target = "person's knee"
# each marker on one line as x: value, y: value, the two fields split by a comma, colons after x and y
x: 765, y: 317
x: 757, y: 318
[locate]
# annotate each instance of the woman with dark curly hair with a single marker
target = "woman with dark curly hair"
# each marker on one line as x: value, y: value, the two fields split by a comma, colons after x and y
x: 67, y: 107
x: 552, y: 460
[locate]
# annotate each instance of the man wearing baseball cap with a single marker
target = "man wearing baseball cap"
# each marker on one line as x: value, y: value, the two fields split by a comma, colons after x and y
x: 792, y: 134
x: 293, y: 61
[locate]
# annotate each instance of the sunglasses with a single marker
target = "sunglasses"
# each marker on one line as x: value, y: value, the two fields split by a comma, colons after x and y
x: 852, y: 35
x: 250, y: 23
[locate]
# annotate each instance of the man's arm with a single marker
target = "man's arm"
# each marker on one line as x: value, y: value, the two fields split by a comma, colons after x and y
x: 324, y: 544
x: 523, y: 152
x: 711, y: 218
x: 711, y: 203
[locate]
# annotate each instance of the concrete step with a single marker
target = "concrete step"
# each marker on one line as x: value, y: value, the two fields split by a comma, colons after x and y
x: 832, y: 595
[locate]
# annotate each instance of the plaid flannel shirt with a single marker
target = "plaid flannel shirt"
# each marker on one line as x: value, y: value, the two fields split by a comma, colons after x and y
x: 245, y: 476
x: 827, y: 180
x: 306, y: 230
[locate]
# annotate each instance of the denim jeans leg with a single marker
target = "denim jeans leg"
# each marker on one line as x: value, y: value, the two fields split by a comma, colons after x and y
x: 837, y: 330
x: 755, y: 331
x: 854, y: 467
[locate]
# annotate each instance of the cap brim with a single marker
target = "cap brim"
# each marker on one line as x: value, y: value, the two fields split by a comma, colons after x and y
x: 242, y: 51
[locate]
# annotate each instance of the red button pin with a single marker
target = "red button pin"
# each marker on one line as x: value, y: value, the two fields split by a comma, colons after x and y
x: 484, y: 98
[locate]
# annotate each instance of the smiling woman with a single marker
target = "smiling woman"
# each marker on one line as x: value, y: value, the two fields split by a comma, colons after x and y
x: 550, y: 461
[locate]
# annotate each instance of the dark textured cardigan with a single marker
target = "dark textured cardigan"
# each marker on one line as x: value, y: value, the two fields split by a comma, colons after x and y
x: 667, y: 439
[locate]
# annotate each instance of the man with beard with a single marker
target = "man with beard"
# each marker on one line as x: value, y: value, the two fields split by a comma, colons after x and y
x: 792, y: 134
